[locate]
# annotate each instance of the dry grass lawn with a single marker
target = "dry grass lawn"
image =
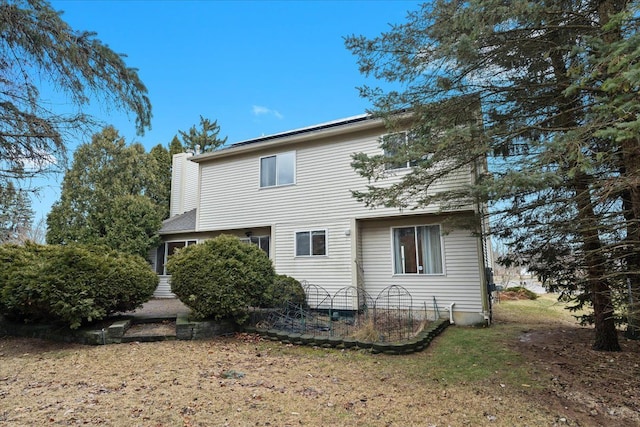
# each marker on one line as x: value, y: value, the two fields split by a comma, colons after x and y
x: 498, y: 376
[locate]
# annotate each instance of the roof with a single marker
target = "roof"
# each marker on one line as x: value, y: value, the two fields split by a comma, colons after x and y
x: 353, y: 123
x: 308, y: 129
x: 179, y: 223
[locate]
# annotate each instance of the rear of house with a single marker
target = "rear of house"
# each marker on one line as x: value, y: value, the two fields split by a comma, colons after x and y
x: 290, y: 194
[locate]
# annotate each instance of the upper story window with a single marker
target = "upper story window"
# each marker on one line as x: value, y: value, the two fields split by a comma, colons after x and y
x: 278, y: 169
x: 396, y: 147
x: 311, y: 243
x: 417, y: 250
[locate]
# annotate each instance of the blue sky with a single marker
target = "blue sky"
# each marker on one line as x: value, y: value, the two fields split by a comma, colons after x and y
x: 257, y: 67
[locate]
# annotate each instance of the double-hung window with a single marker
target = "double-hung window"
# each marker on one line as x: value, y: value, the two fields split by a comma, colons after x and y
x: 417, y: 250
x: 396, y: 147
x: 278, y: 169
x: 311, y: 243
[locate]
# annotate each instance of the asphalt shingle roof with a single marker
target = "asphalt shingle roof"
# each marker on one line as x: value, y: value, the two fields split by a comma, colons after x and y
x: 179, y: 223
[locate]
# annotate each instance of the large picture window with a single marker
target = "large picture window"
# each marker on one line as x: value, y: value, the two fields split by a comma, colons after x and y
x: 417, y: 250
x: 311, y: 243
x: 278, y: 169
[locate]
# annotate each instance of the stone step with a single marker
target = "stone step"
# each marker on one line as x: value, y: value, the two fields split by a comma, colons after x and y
x: 150, y: 332
x: 148, y: 338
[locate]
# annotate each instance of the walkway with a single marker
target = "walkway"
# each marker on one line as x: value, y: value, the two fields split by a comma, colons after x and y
x: 154, y: 321
x: 160, y: 308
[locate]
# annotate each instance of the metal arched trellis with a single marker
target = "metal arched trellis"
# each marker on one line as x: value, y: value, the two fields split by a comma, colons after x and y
x: 350, y: 313
x: 351, y: 309
x: 394, y: 314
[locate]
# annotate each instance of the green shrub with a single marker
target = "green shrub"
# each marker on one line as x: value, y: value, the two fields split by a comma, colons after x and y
x: 130, y: 282
x: 71, y: 284
x: 220, y: 278
x: 285, y: 289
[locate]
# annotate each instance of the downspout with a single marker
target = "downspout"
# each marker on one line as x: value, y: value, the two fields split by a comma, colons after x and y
x: 487, y: 318
x: 451, y: 313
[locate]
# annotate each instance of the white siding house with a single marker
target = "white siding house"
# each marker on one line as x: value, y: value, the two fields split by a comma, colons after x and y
x: 290, y: 193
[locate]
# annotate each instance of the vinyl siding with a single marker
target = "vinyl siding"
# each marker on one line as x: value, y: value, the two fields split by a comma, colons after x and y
x: 184, y: 184
x: 230, y: 195
x: 358, y: 238
x: 331, y: 272
x: 460, y: 284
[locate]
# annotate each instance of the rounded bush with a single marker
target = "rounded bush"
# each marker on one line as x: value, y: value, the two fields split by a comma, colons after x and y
x: 284, y: 290
x: 71, y: 284
x: 220, y: 278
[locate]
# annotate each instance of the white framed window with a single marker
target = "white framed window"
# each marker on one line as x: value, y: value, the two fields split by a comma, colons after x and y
x: 311, y: 243
x: 263, y: 242
x: 279, y: 169
x: 167, y: 249
x: 417, y: 250
x: 396, y: 145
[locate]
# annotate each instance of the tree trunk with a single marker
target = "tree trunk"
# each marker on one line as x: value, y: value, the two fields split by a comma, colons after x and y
x: 606, y: 338
x: 587, y: 223
x: 630, y: 172
x: 631, y: 207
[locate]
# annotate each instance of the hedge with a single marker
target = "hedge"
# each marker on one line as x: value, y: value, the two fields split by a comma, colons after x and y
x: 71, y: 284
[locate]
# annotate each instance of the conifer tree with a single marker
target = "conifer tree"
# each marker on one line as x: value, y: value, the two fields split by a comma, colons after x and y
x: 175, y: 146
x: 105, y: 197
x: 159, y: 187
x: 38, y: 48
x: 206, y: 138
x: 16, y: 214
x: 556, y: 84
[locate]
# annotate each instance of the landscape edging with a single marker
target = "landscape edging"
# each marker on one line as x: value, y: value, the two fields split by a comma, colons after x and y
x: 415, y: 344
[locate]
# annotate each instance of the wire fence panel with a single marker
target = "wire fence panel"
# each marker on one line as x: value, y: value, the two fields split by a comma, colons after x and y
x: 394, y: 314
x: 350, y: 312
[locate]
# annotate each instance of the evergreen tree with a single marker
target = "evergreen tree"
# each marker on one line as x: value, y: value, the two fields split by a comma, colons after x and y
x: 105, y: 199
x: 175, y: 146
x: 206, y: 138
x: 556, y: 83
x: 38, y: 48
x: 16, y: 214
x: 159, y: 188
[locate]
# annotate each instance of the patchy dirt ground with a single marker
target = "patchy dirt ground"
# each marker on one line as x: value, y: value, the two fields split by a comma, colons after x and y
x: 590, y: 387
x: 244, y: 381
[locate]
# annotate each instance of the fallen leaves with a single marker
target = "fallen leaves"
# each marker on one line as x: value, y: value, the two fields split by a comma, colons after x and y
x: 246, y: 380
